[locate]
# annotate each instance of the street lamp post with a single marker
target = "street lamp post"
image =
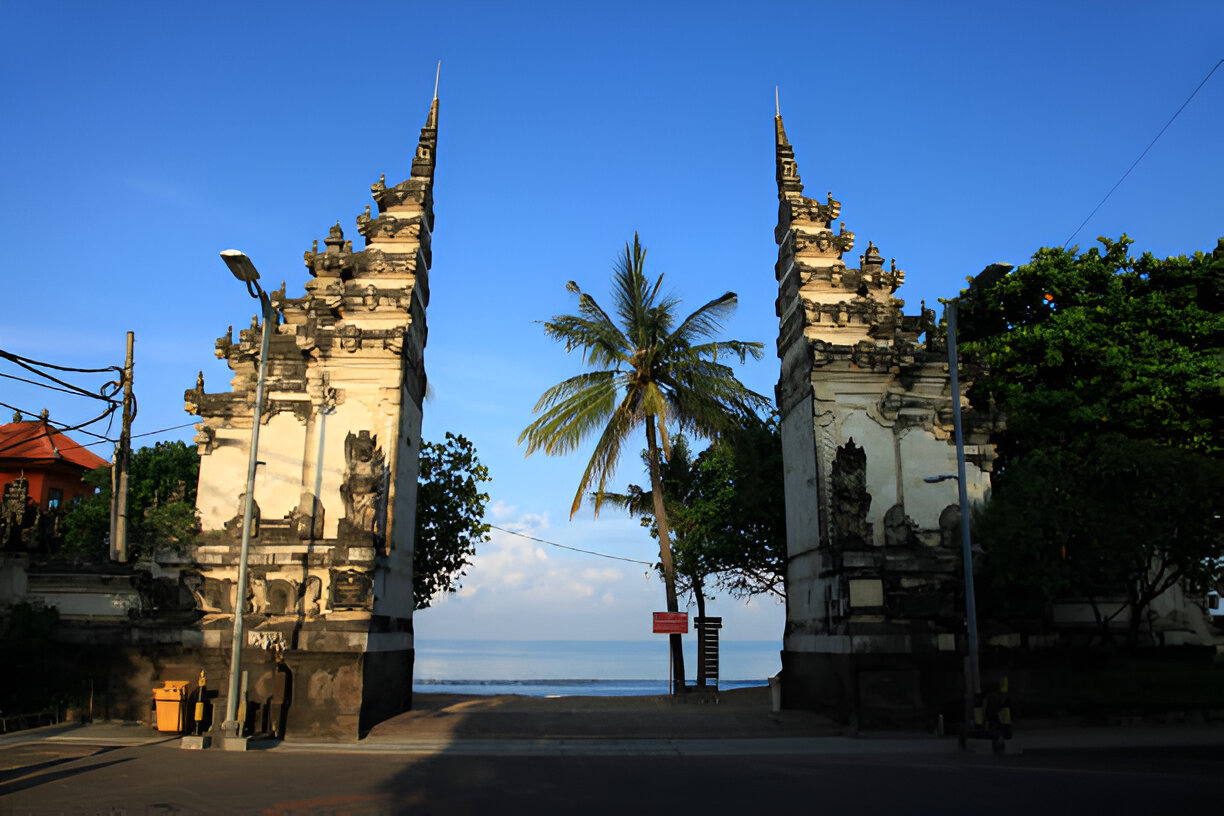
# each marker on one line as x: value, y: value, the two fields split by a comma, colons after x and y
x: 244, y: 270
x: 988, y: 277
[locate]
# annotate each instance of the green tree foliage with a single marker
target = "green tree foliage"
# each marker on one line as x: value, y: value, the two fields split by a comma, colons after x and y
x: 162, y: 483
x: 651, y: 370
x: 735, y: 511
x: 449, y: 518
x: 1113, y: 517
x: 1110, y: 371
x: 726, y: 510
x: 1079, y: 345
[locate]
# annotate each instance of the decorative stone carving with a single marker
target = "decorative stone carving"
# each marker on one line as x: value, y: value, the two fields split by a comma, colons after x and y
x: 311, y: 591
x: 281, y: 597
x: 899, y: 529
x: 269, y: 641
x: 225, y: 344
x: 351, y: 589
x: 393, y: 341
x: 257, y: 595
x: 217, y: 595
x: 851, y: 501
x: 363, y: 481
x: 205, y: 602
x: 949, y: 526
x: 350, y: 338
x: 308, y: 518
x: 233, y: 527
x: 205, y: 436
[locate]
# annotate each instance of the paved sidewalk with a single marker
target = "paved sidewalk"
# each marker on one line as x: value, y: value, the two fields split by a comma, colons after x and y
x: 741, y: 724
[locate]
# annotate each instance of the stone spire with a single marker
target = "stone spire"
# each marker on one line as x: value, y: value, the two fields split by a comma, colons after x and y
x: 427, y: 146
x: 790, y: 186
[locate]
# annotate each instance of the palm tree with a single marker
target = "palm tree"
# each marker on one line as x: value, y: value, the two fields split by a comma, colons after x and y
x: 648, y: 372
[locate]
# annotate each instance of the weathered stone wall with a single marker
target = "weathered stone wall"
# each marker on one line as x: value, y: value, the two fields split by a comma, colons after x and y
x: 866, y: 407
x: 330, y: 581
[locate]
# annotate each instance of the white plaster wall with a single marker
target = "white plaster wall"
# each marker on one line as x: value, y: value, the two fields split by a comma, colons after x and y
x: 923, y: 455
x: 393, y: 585
x: 223, y: 475
x: 355, y: 414
x: 805, y: 600
x: 278, y: 481
x: 877, y: 442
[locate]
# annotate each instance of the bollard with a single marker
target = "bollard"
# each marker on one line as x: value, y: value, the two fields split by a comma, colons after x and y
x: 199, y: 706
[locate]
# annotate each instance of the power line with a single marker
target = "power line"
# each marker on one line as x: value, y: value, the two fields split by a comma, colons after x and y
x: 38, y: 384
x: 566, y: 547
x: 1144, y: 153
x: 80, y: 427
x: 33, y: 365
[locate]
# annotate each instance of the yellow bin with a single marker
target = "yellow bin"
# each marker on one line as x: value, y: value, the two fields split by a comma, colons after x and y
x: 169, y: 699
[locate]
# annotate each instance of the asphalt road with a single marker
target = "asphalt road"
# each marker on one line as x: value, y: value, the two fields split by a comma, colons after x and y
x: 39, y: 778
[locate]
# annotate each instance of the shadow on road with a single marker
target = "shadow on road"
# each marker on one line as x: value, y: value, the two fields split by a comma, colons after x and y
x: 31, y: 776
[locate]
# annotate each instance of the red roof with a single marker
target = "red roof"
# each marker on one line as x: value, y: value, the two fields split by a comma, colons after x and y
x: 36, y: 442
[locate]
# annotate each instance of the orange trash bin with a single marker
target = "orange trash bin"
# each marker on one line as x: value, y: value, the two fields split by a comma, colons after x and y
x: 169, y: 700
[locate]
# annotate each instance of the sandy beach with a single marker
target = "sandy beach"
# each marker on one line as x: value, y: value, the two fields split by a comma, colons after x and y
x: 740, y: 713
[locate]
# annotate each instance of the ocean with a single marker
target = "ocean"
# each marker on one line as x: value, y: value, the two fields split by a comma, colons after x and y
x: 562, y: 668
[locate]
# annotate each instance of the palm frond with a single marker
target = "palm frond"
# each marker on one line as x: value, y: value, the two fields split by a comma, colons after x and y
x: 604, y: 459
x: 647, y: 366
x: 571, y: 413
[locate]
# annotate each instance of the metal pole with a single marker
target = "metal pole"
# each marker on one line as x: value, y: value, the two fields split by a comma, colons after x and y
x: 119, y: 548
x: 231, y: 703
x: 975, y: 679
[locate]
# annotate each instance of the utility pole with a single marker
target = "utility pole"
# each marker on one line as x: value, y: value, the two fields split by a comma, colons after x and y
x: 123, y: 455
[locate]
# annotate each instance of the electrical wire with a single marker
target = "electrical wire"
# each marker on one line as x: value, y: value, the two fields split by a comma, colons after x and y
x: 566, y: 547
x: 31, y: 366
x: 18, y: 358
x: 1141, y: 155
x: 37, y: 383
x: 62, y: 428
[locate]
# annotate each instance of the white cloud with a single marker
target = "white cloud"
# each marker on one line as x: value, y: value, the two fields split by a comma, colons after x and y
x: 519, y: 588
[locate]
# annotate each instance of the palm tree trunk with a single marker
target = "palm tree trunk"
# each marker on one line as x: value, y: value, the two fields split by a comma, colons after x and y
x: 665, y: 554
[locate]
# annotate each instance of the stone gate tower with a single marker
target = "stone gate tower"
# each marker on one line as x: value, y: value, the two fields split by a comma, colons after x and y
x: 329, y: 606
x: 874, y: 597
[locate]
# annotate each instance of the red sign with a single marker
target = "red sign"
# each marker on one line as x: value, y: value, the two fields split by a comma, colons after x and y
x: 671, y: 623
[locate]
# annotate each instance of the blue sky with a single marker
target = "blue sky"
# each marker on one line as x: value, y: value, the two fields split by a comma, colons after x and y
x: 140, y: 139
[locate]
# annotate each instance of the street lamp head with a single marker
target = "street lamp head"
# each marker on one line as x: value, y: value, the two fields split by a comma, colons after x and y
x: 240, y: 265
x: 989, y: 276
x: 943, y: 477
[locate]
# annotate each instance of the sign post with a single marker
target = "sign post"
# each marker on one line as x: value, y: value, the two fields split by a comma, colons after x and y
x: 670, y: 623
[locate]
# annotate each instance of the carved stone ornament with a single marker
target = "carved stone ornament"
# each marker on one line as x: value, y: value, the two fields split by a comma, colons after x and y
x: 394, y: 340
x: 225, y: 344
x: 350, y: 338
x: 850, y: 500
x: 311, y: 593
x: 281, y: 597
x: 205, y: 437
x: 899, y: 529
x: 308, y: 518
x: 351, y: 590
x: 361, y: 490
x: 233, y: 527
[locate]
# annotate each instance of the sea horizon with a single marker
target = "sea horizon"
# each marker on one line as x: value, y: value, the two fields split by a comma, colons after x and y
x: 560, y: 668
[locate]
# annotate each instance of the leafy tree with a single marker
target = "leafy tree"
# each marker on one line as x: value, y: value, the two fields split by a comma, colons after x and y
x: 162, y: 483
x: 1113, y: 517
x: 449, y: 517
x: 1110, y: 371
x: 651, y: 370
x: 726, y: 512
x: 735, y: 512
x: 1079, y: 345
